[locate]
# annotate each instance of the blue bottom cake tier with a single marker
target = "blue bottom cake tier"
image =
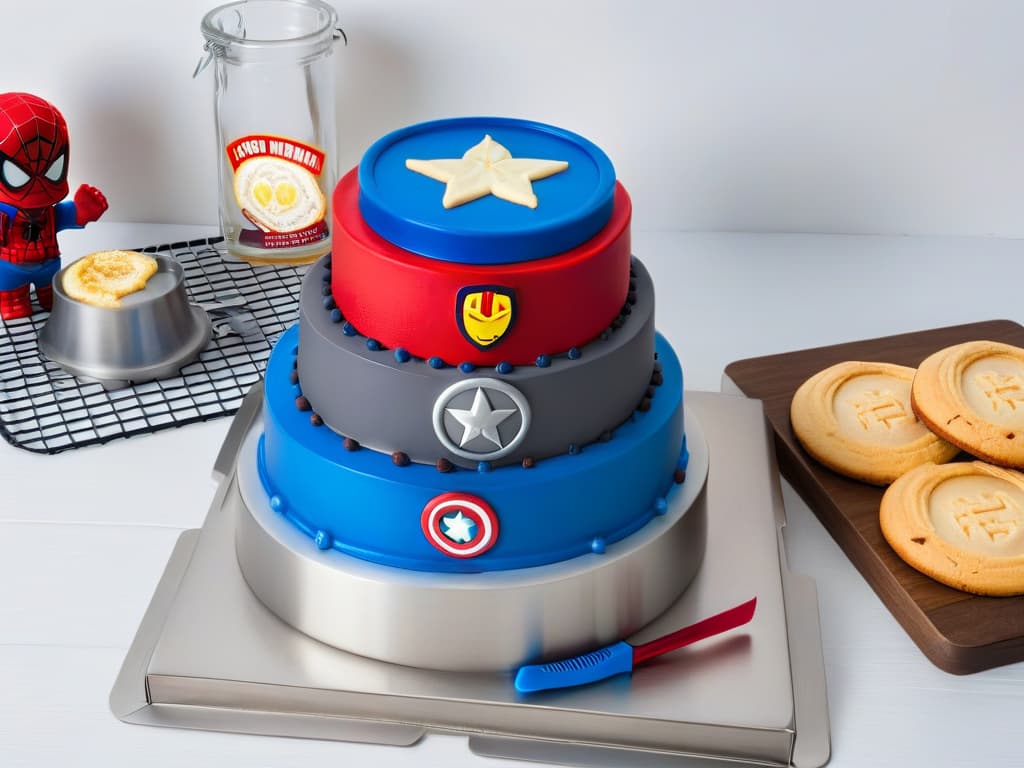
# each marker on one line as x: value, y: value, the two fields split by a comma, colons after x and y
x: 384, y: 509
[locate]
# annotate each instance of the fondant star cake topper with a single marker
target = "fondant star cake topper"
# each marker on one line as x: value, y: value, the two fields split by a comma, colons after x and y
x: 487, y: 169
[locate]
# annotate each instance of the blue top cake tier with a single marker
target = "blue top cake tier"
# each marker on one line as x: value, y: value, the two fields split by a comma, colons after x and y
x: 405, y: 207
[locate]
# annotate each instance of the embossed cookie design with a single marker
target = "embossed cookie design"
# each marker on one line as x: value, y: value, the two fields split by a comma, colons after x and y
x: 972, y: 395
x: 961, y: 524
x: 856, y: 419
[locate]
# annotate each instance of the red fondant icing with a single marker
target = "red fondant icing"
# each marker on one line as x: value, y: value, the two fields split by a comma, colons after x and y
x: 405, y: 300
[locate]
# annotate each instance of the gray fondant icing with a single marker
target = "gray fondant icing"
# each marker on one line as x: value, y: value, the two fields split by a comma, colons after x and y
x: 390, y: 406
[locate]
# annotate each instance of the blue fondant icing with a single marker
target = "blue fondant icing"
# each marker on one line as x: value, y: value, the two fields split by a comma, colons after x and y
x: 467, y: 367
x: 548, y: 513
x: 405, y: 208
x: 503, y: 367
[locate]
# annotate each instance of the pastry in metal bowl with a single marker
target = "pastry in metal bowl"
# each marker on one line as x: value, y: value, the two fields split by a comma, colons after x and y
x: 101, y: 328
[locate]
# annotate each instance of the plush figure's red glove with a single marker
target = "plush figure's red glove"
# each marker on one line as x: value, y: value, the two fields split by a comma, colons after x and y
x: 89, y: 204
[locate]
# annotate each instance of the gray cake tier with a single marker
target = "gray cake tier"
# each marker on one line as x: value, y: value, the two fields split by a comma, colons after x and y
x: 368, y: 394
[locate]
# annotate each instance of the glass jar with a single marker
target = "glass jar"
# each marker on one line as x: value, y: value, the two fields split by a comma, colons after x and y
x: 274, y: 107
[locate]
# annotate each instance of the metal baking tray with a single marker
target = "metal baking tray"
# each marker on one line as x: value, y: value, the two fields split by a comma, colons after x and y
x: 209, y: 655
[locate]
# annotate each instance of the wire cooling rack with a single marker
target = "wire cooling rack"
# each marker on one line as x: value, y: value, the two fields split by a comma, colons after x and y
x: 46, y: 410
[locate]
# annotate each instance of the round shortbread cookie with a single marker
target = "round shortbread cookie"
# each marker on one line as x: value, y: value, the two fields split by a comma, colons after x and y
x: 960, y: 523
x: 277, y: 195
x: 855, y: 418
x: 972, y: 395
x: 105, y: 277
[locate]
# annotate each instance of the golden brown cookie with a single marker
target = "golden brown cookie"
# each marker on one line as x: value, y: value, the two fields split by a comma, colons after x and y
x: 972, y: 395
x: 102, y: 278
x: 855, y: 418
x: 961, y: 523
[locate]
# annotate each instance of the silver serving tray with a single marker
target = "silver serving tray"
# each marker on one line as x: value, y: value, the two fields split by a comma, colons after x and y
x: 209, y: 655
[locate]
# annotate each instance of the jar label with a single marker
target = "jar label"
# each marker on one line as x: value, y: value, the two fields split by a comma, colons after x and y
x: 277, y: 186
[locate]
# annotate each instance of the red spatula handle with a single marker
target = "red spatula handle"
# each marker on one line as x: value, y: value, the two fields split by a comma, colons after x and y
x: 720, y: 622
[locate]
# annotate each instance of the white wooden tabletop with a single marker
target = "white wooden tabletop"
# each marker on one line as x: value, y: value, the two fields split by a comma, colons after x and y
x: 85, y: 535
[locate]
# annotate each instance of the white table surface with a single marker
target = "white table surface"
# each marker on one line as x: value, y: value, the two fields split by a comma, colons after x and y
x: 78, y: 562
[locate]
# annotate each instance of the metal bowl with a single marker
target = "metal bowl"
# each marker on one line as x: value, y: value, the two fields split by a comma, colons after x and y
x: 151, y: 335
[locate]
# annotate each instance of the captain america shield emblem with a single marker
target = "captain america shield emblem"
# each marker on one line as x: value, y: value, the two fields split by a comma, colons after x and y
x: 459, y: 524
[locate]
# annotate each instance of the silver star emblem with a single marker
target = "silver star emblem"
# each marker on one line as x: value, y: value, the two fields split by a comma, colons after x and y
x: 481, y: 432
x: 480, y: 419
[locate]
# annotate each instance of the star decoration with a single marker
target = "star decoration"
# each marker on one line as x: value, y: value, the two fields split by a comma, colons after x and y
x: 458, y: 528
x: 480, y: 419
x: 487, y: 169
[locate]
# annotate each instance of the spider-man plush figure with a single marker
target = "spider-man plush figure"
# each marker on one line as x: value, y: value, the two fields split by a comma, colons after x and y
x: 33, y: 181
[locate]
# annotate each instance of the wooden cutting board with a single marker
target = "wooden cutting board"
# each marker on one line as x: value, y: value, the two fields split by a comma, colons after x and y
x: 959, y: 632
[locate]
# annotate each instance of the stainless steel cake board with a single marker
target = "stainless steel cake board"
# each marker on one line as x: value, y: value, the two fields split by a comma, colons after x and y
x: 208, y: 655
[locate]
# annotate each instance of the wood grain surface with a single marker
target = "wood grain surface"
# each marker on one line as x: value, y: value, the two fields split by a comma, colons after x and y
x: 958, y: 632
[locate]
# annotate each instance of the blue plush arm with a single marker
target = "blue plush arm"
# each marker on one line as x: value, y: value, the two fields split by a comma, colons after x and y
x: 65, y: 215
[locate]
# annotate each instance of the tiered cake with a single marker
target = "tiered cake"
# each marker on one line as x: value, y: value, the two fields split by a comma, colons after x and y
x: 474, y: 405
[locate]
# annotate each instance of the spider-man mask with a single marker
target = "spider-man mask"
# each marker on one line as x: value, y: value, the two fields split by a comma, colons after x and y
x: 33, y: 152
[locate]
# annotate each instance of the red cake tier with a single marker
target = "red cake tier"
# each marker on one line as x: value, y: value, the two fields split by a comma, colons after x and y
x: 479, y: 314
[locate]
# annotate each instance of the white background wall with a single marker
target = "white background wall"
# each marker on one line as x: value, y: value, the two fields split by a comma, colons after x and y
x: 872, y: 116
